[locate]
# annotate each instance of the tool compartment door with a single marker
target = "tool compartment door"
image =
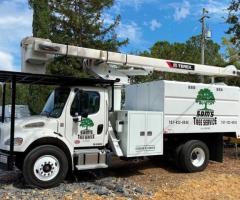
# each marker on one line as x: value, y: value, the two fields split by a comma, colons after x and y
x: 154, y: 133
x: 145, y: 134
x: 137, y: 140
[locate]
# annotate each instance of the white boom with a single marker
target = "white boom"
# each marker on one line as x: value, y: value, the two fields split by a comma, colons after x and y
x: 36, y: 53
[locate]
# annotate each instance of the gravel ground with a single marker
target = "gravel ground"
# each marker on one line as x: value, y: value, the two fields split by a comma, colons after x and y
x: 137, y: 180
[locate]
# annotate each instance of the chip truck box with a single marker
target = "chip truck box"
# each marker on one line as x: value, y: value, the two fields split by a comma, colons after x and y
x: 188, y: 107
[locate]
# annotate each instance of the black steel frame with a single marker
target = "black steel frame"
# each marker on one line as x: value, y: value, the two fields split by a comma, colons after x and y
x: 39, y: 79
x: 3, y: 101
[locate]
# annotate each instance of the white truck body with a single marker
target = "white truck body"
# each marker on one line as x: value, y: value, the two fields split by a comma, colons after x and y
x: 183, y: 111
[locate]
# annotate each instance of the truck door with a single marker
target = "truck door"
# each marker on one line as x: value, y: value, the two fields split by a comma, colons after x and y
x: 86, y: 119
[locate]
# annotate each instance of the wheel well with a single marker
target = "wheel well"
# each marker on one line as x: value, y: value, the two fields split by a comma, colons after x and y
x: 48, y: 141
x: 214, y: 142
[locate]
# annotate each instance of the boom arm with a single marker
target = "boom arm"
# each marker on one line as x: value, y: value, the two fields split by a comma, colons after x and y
x: 36, y: 53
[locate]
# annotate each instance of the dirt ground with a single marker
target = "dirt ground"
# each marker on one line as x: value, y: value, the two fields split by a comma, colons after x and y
x: 220, y: 181
x: 143, y: 180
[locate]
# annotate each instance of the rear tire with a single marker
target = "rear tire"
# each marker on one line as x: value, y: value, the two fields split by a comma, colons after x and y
x: 45, y: 167
x: 194, y: 156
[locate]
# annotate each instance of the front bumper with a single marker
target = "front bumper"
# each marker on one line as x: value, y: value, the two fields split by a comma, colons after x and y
x: 6, y: 161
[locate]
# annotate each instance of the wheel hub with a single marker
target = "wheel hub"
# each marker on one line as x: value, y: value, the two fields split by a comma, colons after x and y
x: 194, y: 156
x: 46, y: 168
x: 197, y: 157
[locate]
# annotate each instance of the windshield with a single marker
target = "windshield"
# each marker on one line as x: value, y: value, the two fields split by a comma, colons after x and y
x: 56, y: 102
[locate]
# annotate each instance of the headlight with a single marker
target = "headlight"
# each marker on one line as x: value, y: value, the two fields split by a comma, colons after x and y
x: 35, y: 125
x: 17, y: 141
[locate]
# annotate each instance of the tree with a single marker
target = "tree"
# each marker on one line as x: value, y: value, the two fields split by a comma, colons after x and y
x: 73, y: 22
x: 86, y: 122
x: 232, y: 57
x: 212, y: 52
x: 232, y: 54
x: 41, y: 23
x: 79, y: 23
x: 190, y: 51
x: 41, y: 18
x: 33, y: 96
x: 205, y: 97
x: 234, y: 21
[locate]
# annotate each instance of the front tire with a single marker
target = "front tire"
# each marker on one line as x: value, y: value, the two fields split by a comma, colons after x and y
x: 45, y: 167
x: 194, y: 156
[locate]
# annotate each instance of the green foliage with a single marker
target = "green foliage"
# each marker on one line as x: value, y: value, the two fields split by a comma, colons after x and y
x: 41, y: 18
x: 41, y: 23
x: 190, y: 51
x: 232, y: 54
x: 66, y: 66
x: 86, y: 123
x: 205, y: 97
x: 21, y: 95
x: 234, y: 21
x: 33, y: 96
x: 232, y: 57
x: 37, y: 97
x: 80, y: 23
x: 75, y: 22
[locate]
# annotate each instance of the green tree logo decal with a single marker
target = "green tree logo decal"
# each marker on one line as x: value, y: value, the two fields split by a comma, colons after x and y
x: 205, y: 97
x: 86, y: 123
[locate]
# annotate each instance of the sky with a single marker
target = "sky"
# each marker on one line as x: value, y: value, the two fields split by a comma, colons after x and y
x: 142, y: 21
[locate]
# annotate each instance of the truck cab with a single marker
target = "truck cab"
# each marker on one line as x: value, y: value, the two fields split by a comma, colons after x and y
x: 47, y: 146
x: 80, y: 113
x: 61, y: 116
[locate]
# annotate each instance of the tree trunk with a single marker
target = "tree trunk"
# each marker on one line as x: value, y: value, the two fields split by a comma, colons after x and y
x: 205, y: 108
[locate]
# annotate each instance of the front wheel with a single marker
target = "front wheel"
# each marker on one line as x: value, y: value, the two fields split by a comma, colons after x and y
x: 45, y: 166
x: 194, y: 156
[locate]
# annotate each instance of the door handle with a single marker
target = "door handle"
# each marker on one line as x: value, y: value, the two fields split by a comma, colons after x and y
x: 99, y: 129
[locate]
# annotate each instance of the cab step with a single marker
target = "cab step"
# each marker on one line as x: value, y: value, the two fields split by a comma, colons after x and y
x: 85, y: 167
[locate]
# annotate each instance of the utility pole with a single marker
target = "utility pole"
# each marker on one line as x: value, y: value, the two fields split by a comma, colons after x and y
x: 203, y: 22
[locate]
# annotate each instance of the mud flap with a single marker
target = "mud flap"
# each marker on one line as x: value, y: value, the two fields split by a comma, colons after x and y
x: 215, y: 145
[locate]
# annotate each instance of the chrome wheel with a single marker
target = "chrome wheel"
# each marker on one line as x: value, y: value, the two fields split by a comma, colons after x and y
x: 197, y: 157
x: 46, y: 168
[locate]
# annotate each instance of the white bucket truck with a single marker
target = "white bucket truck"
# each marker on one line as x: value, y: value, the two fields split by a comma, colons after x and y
x: 82, y: 124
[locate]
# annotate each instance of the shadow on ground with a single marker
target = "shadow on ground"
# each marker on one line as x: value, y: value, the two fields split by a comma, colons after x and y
x: 125, y: 169
x: 118, y: 169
